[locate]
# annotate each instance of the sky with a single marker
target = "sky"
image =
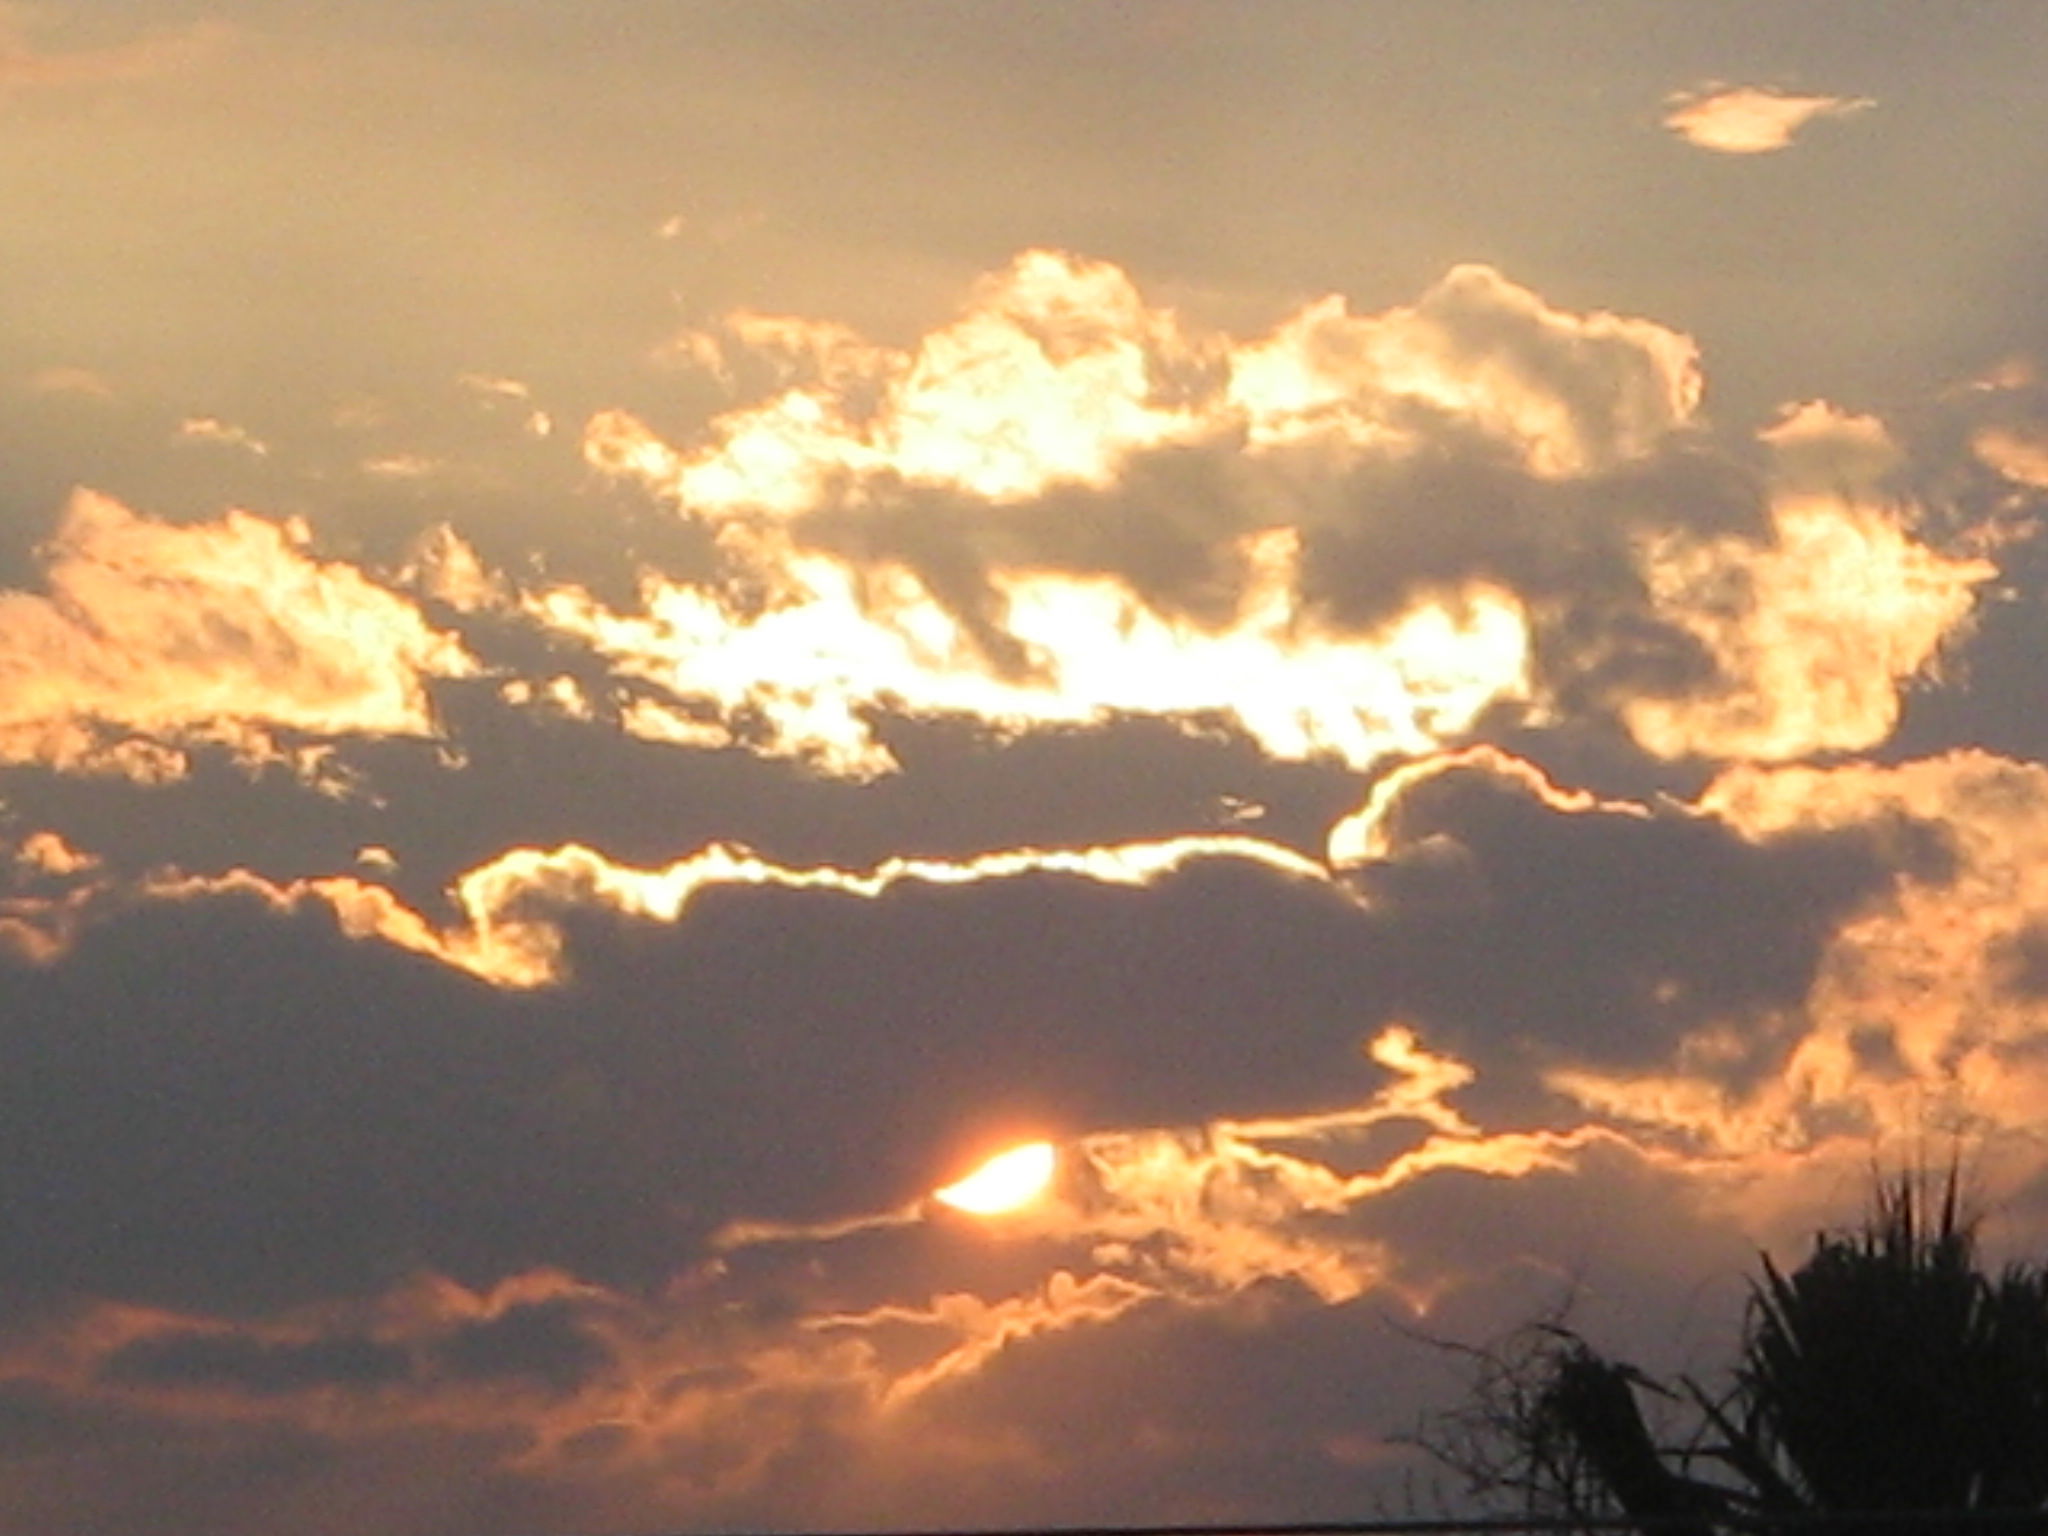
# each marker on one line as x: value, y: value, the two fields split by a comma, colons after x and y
x: 1394, y: 648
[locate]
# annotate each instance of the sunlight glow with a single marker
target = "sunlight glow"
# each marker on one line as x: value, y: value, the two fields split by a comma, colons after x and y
x: 1006, y: 1182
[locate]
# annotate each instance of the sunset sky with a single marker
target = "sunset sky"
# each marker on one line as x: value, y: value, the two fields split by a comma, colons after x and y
x: 1400, y: 646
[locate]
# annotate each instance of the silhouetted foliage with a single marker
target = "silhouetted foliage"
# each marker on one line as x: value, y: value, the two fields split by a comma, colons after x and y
x: 1887, y: 1374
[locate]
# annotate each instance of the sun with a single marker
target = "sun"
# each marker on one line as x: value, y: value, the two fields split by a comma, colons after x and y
x: 1005, y: 1182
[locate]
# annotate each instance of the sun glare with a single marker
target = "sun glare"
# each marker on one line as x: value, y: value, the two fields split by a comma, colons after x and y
x: 1005, y: 1182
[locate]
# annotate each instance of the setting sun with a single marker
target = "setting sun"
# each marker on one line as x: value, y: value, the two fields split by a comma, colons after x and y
x: 1005, y: 1182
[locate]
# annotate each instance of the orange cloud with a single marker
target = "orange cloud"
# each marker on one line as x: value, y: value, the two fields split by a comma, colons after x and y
x: 976, y: 1330
x: 1209, y: 1212
x: 796, y: 677
x: 512, y: 909
x: 47, y: 888
x: 156, y: 635
x: 1200, y: 1217
x: 1746, y: 120
x: 209, y: 429
x: 1569, y: 394
x: 1201, y: 1214
x: 1060, y: 375
x: 512, y: 937
x: 1059, y: 371
x: 1372, y: 831
x: 1059, y: 379
x: 2019, y: 453
x: 1813, y: 636
x: 1928, y: 1011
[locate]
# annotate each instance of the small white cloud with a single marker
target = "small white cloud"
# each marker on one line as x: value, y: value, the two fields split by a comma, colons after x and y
x: 210, y: 429
x: 1747, y: 120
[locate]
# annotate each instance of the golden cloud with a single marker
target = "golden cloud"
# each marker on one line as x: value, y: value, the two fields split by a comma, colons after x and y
x: 511, y: 934
x: 1568, y: 394
x: 1747, y: 120
x: 2019, y: 453
x: 510, y: 930
x: 975, y: 1330
x: 1059, y: 372
x: 1197, y: 1217
x: 224, y: 632
x: 210, y: 429
x: 1056, y: 371
x: 797, y: 677
x: 1812, y: 636
x: 1059, y: 379
x: 1214, y: 1211
x: 1928, y: 1011
x: 1807, y: 620
x: 1372, y: 833
x: 47, y: 888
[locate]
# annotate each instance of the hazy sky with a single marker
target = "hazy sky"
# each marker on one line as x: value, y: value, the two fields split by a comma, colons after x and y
x: 633, y: 635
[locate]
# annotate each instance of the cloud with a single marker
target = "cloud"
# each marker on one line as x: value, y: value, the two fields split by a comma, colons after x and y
x: 1420, y: 806
x: 25, y: 66
x: 513, y: 908
x: 1067, y: 504
x: 802, y: 675
x: 1956, y: 948
x: 706, y: 1402
x: 2019, y: 452
x: 1748, y: 120
x: 1565, y: 394
x: 1814, y: 635
x: 152, y: 637
x: 1921, y: 1013
x: 1606, y: 923
x: 1287, y: 1101
x: 210, y: 429
x: 47, y: 890
x: 1395, y: 522
x: 82, y: 382
x: 575, y: 1380
x: 749, y: 991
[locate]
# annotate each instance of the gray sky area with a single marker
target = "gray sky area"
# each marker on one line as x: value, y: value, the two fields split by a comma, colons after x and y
x: 1394, y: 650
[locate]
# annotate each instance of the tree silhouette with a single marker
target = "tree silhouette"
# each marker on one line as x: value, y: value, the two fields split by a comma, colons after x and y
x: 1886, y: 1375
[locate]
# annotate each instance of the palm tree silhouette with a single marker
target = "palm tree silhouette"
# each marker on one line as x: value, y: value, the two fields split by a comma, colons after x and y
x: 1887, y: 1375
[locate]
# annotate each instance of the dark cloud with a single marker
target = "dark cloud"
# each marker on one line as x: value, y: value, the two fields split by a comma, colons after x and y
x: 238, y: 1363
x: 1605, y: 932
x: 215, y: 1100
x: 1571, y: 550
x: 542, y: 1342
x: 506, y: 774
x: 1165, y: 527
x: 218, y: 1104
x: 2025, y: 962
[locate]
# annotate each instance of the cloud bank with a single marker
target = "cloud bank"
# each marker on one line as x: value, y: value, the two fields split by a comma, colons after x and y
x: 1404, y: 804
